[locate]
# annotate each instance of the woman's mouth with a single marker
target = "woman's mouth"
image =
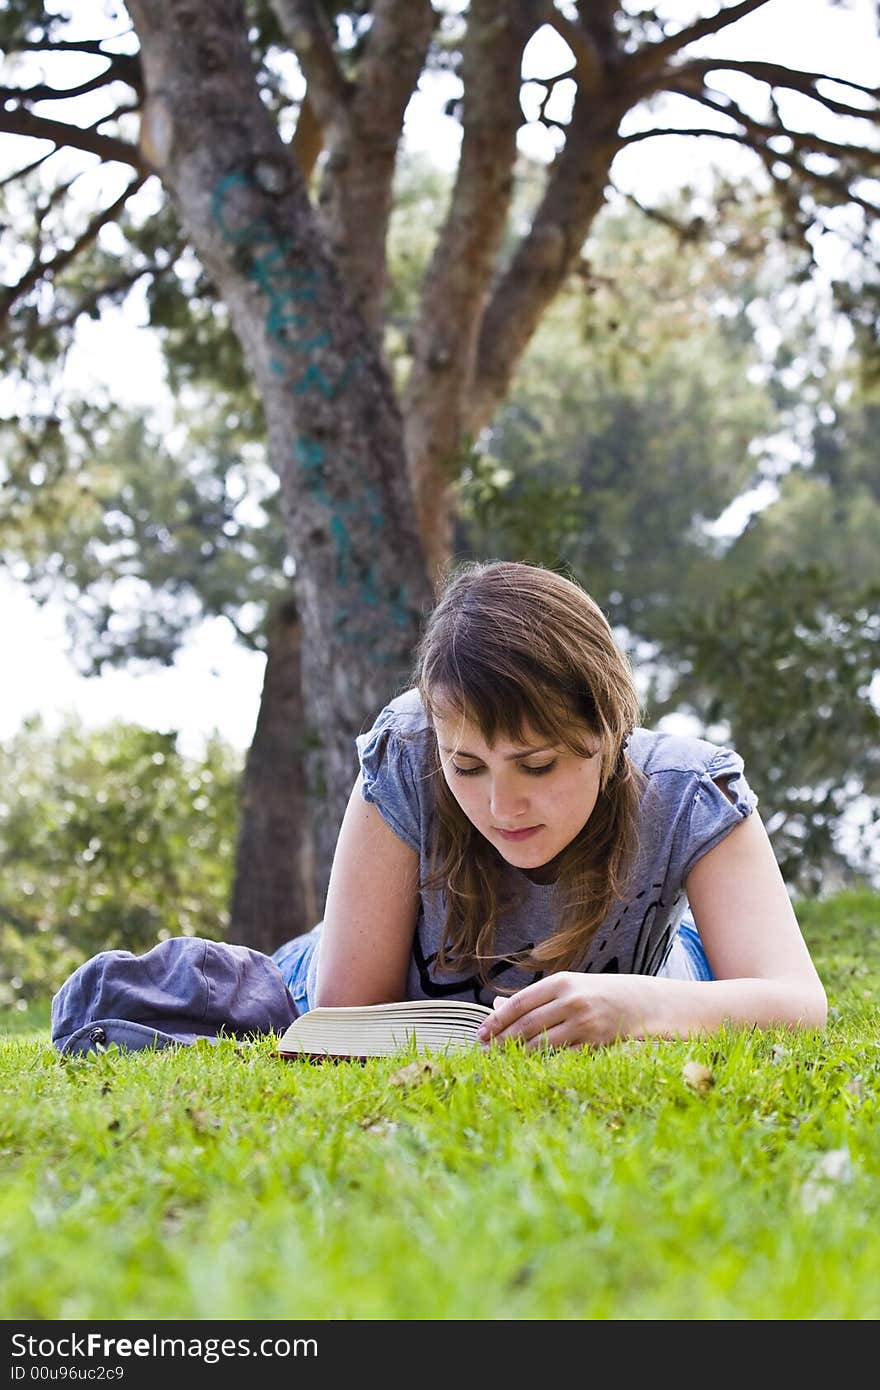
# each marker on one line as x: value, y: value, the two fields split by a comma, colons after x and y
x: 519, y: 834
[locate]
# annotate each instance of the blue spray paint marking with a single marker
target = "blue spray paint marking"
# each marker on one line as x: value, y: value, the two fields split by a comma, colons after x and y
x: 314, y: 377
x: 290, y: 291
x: 351, y: 571
x: 309, y: 454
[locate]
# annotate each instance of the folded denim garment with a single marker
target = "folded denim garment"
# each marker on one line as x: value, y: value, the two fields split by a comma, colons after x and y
x: 183, y: 990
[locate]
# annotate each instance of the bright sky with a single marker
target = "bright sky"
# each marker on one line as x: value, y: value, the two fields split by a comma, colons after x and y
x: 215, y: 684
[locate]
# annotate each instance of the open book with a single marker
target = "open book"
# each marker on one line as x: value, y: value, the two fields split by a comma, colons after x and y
x: 380, y: 1030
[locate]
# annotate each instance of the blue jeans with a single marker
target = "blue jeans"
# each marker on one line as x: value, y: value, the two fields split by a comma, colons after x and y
x: 686, y: 961
x: 293, y: 960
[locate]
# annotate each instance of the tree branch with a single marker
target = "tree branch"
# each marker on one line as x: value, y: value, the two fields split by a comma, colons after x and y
x: 91, y: 46
x: 769, y: 157
x: 802, y: 139
x: 550, y: 84
x: 306, y: 29
x: 654, y: 56
x: 839, y: 183
x: 588, y: 63
x: 574, y: 193
x: 686, y: 232
x: 392, y: 61
x: 107, y: 147
x: 658, y: 131
x: 46, y: 270
x: 113, y: 290
x: 121, y: 67
x: 777, y: 75
x: 114, y: 115
x: 28, y: 169
x: 308, y: 139
x: 456, y: 282
x: 362, y: 139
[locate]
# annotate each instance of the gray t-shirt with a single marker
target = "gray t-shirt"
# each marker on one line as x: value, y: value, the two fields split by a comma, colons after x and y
x: 683, y: 814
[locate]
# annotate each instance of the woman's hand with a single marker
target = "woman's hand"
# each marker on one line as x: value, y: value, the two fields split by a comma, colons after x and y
x: 568, y: 1009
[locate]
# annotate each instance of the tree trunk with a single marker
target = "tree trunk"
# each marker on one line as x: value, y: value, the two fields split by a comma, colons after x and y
x: 334, y: 429
x: 361, y: 117
x: 275, y: 894
x: 456, y: 284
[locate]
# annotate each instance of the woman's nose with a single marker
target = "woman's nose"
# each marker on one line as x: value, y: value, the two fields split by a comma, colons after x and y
x: 506, y: 802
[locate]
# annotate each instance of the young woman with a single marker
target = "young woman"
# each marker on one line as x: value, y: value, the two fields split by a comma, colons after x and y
x: 514, y: 837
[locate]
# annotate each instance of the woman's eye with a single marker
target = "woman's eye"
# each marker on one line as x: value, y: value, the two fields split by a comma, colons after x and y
x: 533, y: 771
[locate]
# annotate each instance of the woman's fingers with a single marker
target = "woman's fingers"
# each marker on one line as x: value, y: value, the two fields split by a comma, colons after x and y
x: 563, y: 1010
x: 527, y: 1019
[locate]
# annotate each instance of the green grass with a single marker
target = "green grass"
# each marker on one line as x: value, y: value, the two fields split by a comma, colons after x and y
x: 225, y: 1183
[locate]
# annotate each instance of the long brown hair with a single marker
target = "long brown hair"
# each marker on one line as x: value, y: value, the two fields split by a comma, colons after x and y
x: 517, y: 649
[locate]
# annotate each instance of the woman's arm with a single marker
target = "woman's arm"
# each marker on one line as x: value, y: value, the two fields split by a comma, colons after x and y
x: 371, y: 910
x: 764, y: 974
x: 750, y: 932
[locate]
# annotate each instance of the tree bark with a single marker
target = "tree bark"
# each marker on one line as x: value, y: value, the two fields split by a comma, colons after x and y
x: 334, y: 429
x: 275, y: 892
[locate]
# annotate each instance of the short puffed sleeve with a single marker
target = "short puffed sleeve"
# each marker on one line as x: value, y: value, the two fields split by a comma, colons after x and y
x: 715, y: 809
x: 395, y: 775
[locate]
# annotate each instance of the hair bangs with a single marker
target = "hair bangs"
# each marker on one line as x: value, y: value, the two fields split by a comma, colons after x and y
x: 517, y: 707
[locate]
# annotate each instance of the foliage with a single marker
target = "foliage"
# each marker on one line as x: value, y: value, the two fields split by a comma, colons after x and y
x: 726, y: 1177
x: 643, y: 409
x: 139, y: 535
x: 108, y: 838
x: 828, y: 503
x: 598, y: 460
x: 784, y: 666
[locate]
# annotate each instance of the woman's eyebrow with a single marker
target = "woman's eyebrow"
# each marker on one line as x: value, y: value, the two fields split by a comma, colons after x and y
x: 508, y: 757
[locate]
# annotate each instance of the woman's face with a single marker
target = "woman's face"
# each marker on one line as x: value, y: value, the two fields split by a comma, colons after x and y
x: 529, y: 800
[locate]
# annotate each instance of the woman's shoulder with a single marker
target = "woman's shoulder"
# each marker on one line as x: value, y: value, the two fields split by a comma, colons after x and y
x: 656, y: 751
x: 400, y: 730
x: 395, y: 767
x: 407, y: 710
x: 695, y: 793
x: 403, y: 715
